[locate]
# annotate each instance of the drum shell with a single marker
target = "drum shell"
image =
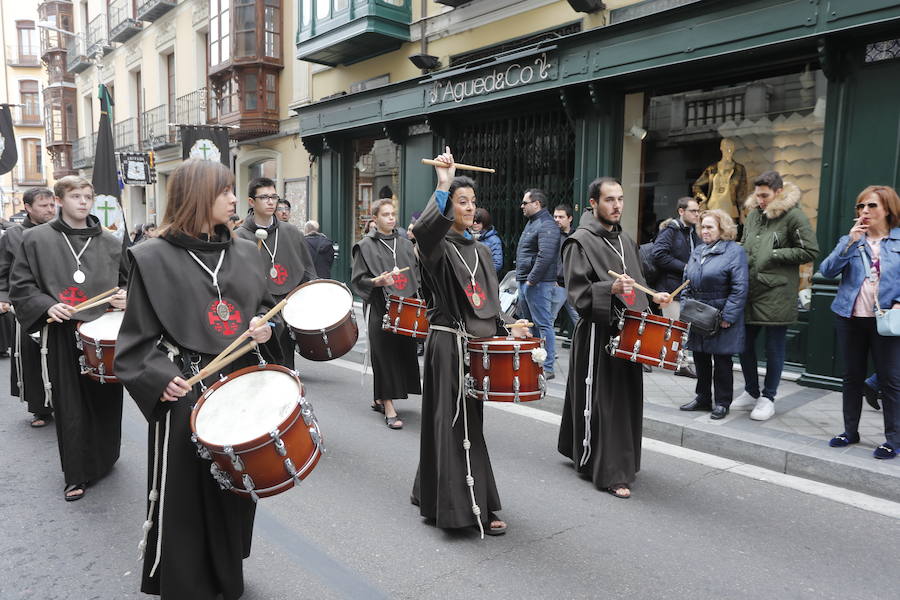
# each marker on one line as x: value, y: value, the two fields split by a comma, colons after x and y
x: 259, y: 456
x: 501, y: 371
x: 652, y: 340
x: 406, y: 316
x: 96, y: 353
x: 329, y: 342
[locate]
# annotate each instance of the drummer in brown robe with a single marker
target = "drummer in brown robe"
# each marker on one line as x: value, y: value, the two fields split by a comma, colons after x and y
x: 192, y: 291
x: 463, y: 300
x: 377, y: 260
x: 284, y: 253
x: 61, y: 264
x: 612, y: 389
x: 25, y: 368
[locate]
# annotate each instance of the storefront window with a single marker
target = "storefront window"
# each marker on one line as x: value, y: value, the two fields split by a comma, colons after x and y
x: 712, y: 143
x: 376, y: 175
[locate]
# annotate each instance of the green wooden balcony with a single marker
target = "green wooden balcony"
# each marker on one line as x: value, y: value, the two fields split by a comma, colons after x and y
x: 342, y: 32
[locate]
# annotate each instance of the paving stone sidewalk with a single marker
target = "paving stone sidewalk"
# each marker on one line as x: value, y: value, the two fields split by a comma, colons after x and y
x: 794, y: 441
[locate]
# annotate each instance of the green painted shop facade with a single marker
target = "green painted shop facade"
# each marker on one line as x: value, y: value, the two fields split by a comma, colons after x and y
x: 554, y: 115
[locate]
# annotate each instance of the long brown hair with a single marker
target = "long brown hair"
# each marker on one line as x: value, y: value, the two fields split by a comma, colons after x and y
x: 192, y: 189
x: 890, y: 202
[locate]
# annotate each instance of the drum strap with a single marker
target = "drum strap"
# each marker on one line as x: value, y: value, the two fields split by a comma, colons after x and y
x: 45, y: 373
x: 17, y: 354
x: 461, y: 335
x: 588, y: 400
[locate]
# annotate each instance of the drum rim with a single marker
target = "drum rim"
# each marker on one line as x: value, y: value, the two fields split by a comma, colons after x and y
x: 260, y: 440
x: 407, y: 300
x: 637, y: 315
x: 501, y: 344
x: 85, y: 338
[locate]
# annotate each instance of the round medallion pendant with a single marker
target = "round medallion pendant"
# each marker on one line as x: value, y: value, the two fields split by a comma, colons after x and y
x: 273, y: 272
x: 222, y: 311
x: 476, y: 300
x: 78, y: 276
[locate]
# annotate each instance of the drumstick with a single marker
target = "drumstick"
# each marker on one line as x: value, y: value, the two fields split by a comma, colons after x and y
x: 92, y: 302
x: 517, y: 324
x: 636, y: 284
x: 240, y: 338
x: 439, y: 163
x: 398, y: 271
x: 218, y: 364
x: 677, y: 290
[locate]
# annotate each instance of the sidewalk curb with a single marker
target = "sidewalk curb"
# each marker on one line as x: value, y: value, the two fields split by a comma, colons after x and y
x: 851, y: 468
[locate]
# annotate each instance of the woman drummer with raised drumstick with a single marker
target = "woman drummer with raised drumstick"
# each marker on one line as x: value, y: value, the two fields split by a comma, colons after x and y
x: 192, y: 291
x: 455, y: 483
x: 384, y: 263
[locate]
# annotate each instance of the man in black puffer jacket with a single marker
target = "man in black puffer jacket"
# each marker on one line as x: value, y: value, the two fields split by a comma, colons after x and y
x: 672, y: 249
x: 536, y: 258
x: 671, y: 252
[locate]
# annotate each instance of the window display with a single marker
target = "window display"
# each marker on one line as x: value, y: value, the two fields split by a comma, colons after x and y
x: 710, y: 144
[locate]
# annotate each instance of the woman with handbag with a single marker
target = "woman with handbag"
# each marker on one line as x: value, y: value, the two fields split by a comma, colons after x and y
x: 714, y: 304
x: 867, y: 305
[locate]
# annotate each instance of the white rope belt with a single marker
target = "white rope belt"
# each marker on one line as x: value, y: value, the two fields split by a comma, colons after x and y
x: 460, y: 400
x: 17, y: 354
x: 588, y: 398
x: 365, y: 369
x: 45, y: 374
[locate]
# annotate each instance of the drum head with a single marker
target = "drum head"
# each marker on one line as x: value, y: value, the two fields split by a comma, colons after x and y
x: 104, y: 327
x: 246, y: 407
x: 317, y: 305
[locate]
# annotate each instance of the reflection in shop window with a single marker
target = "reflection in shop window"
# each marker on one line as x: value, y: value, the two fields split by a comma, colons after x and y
x: 376, y: 175
x: 712, y: 143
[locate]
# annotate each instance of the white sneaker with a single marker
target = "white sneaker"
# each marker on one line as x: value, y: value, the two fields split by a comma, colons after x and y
x: 743, y: 402
x: 764, y: 409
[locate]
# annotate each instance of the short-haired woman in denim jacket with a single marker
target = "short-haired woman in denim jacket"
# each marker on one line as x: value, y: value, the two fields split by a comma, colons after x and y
x: 868, y: 261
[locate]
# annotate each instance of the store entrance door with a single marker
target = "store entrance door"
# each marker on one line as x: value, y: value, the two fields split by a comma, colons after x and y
x: 532, y: 150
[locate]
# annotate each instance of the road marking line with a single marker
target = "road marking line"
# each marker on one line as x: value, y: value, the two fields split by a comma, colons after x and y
x: 806, y: 486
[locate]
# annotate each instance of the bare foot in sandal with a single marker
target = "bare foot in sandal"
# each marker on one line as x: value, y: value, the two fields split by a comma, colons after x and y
x: 620, y: 490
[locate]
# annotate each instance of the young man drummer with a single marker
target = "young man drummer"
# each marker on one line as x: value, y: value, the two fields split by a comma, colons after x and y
x: 25, y: 370
x: 384, y: 263
x: 284, y: 253
x: 61, y: 264
x: 455, y: 482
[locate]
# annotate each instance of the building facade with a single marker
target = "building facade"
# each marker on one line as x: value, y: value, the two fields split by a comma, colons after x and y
x: 653, y: 92
x: 25, y: 86
x: 191, y: 62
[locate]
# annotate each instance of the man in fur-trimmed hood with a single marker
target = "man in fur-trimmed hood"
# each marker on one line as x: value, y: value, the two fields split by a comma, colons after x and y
x: 778, y: 239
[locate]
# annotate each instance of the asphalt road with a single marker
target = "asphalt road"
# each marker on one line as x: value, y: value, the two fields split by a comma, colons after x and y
x: 690, y: 531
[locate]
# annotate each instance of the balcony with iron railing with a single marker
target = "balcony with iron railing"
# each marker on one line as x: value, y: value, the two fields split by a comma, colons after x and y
x: 17, y: 56
x: 98, y: 36
x: 83, y: 151
x: 335, y: 32
x: 122, y: 24
x: 155, y: 130
x: 77, y: 57
x: 125, y: 135
x: 27, y: 115
x: 150, y: 10
x: 192, y: 109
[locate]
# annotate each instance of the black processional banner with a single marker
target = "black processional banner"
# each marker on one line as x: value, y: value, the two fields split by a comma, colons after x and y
x: 136, y: 168
x: 205, y: 142
x: 105, y: 177
x: 9, y: 155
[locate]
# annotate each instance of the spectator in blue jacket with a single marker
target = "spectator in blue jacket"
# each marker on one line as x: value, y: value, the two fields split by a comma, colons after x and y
x: 867, y: 260
x: 672, y: 249
x: 536, y: 258
x: 486, y: 234
x: 719, y: 277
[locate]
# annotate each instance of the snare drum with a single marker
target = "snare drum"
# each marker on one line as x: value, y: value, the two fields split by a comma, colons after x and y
x: 506, y: 369
x: 320, y: 313
x: 259, y: 430
x: 97, y: 342
x: 406, y: 316
x: 650, y: 339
